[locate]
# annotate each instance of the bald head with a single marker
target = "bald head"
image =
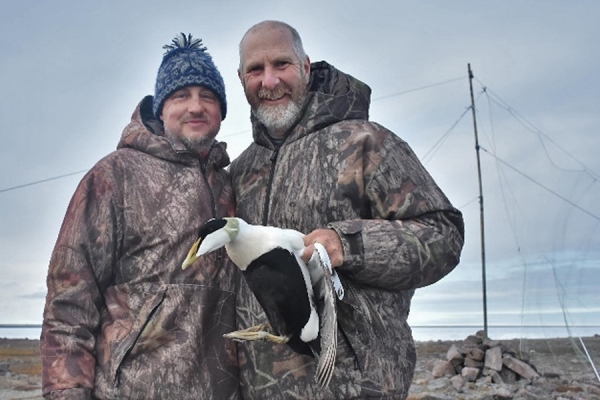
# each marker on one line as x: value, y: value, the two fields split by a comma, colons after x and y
x: 283, y: 28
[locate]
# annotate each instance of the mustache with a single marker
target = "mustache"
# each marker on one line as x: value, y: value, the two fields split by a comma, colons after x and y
x: 264, y: 93
x: 193, y: 116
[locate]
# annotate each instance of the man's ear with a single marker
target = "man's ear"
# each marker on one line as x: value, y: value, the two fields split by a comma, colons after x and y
x: 306, y: 71
x: 240, y: 76
x: 307, y: 65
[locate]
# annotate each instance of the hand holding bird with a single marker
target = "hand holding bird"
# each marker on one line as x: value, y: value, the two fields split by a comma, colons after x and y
x: 330, y: 240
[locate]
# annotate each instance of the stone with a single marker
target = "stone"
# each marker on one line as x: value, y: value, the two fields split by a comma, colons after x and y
x: 454, y: 355
x: 474, y: 339
x: 469, y: 362
x: 511, y: 352
x: 521, y: 368
x: 458, y: 368
x: 502, y: 394
x: 496, y: 377
x: 456, y: 358
x: 430, y: 364
x: 475, y: 353
x: 493, y: 358
x: 481, y: 333
x: 466, y: 346
x: 442, y: 368
x: 458, y: 382
x: 489, y: 343
x: 508, y: 376
x: 470, y: 374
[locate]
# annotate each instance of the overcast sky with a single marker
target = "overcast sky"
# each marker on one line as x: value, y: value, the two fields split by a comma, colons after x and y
x: 73, y: 71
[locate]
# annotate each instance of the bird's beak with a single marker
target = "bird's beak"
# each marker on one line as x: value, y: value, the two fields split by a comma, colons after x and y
x: 191, y: 256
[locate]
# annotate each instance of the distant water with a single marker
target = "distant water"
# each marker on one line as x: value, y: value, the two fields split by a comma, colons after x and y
x: 20, y: 331
x: 425, y: 333
x: 420, y: 333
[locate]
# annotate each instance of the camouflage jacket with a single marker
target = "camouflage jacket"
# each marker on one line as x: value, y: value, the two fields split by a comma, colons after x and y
x: 122, y: 319
x: 399, y: 232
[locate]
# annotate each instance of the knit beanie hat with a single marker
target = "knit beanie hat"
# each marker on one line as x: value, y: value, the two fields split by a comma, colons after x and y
x: 187, y: 63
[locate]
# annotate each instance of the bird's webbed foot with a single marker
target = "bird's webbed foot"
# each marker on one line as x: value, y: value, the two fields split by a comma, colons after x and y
x: 258, y: 332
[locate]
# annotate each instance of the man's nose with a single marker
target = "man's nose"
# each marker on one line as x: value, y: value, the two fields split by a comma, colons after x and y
x: 195, y: 105
x: 270, y: 78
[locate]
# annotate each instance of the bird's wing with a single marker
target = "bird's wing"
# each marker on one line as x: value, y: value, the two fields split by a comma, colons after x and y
x: 325, y: 296
x: 316, y: 271
x: 337, y: 285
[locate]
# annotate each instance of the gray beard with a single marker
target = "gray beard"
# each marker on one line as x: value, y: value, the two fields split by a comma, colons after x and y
x: 279, y: 119
x: 195, y: 146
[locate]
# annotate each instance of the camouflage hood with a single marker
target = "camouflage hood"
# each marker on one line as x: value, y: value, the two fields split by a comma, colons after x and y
x: 333, y: 96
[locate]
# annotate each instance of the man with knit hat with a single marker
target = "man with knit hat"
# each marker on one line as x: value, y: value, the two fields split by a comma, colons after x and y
x: 122, y: 319
x: 188, y: 73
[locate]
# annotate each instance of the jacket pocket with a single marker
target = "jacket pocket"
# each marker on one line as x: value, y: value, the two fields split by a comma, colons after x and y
x: 174, y: 344
x: 126, y: 346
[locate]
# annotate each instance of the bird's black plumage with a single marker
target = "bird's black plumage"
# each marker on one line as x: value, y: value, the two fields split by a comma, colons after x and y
x: 279, y: 287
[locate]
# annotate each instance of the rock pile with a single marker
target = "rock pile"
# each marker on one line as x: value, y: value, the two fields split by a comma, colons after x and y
x: 479, y: 368
x: 480, y: 356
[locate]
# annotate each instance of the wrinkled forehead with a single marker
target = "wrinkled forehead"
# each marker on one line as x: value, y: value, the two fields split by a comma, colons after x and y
x: 266, y: 43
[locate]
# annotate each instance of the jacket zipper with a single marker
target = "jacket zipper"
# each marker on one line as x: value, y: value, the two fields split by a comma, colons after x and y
x: 273, y: 160
x: 203, y: 173
x: 212, y: 203
x: 212, y: 195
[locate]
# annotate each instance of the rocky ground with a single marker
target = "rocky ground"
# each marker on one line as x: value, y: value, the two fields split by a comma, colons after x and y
x: 20, y: 369
x: 563, y: 373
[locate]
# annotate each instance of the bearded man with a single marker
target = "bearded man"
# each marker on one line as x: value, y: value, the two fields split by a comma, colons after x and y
x: 318, y: 165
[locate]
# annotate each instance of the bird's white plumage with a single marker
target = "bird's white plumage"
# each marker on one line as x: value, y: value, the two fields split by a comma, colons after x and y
x: 215, y: 241
x: 254, y: 240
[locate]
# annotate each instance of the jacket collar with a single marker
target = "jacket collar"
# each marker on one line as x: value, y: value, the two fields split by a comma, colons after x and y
x: 333, y: 96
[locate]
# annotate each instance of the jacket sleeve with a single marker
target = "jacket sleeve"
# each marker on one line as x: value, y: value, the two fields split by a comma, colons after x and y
x: 413, y: 236
x: 79, y: 268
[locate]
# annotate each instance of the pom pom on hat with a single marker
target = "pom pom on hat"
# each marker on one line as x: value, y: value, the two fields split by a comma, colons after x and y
x: 186, y: 63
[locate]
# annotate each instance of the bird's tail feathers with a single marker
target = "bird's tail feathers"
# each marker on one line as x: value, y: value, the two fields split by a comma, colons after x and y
x: 326, y: 366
